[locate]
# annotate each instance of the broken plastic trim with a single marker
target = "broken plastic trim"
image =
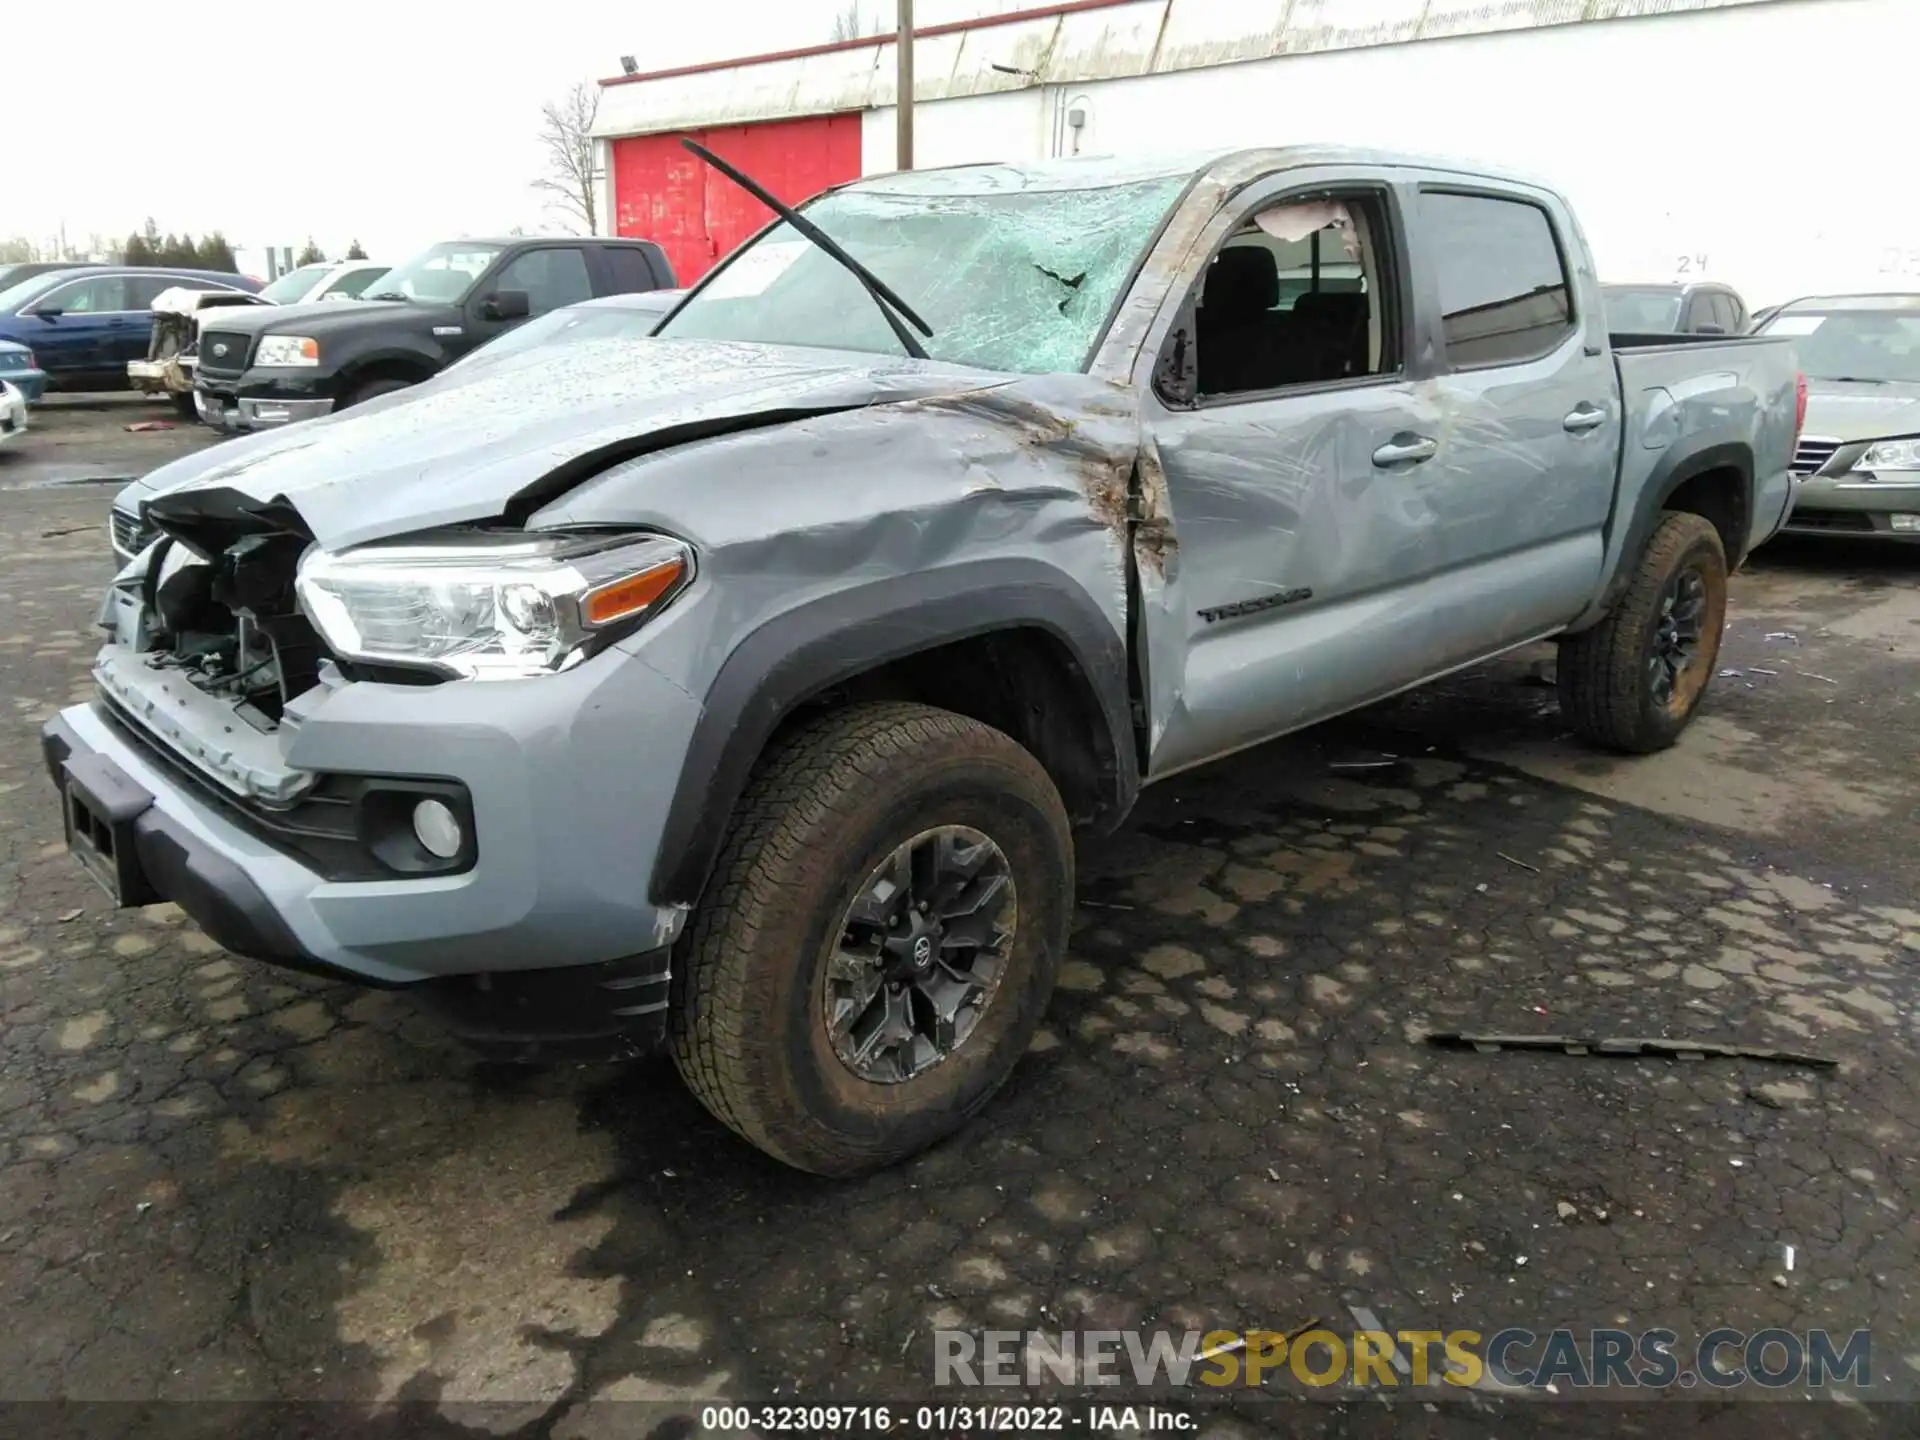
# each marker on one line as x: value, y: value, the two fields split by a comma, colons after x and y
x: 1660, y: 1048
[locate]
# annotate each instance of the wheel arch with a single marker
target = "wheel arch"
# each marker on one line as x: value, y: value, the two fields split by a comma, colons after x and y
x: 1010, y: 642
x: 1708, y: 475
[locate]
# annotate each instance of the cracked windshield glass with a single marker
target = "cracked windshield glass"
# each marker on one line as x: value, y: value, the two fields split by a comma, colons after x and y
x: 1010, y: 278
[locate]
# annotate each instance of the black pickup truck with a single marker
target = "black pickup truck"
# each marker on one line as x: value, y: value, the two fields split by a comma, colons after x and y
x: 275, y: 365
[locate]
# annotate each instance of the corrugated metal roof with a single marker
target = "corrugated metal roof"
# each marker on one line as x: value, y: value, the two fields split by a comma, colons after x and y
x: 1071, y: 44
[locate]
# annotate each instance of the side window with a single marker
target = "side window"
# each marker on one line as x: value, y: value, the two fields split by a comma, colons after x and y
x: 1296, y: 296
x: 1504, y: 293
x: 96, y: 295
x: 628, y: 266
x: 551, y: 278
x: 1726, y: 312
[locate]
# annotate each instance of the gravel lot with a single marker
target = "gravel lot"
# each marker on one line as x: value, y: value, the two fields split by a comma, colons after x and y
x: 226, y: 1183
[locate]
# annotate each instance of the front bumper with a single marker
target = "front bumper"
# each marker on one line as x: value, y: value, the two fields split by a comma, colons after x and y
x: 245, y: 413
x: 238, y: 404
x: 32, y: 384
x: 13, y: 413
x: 567, y: 813
x: 1849, y: 506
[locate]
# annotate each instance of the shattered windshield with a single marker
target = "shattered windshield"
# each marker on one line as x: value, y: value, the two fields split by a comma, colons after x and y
x: 1010, y: 278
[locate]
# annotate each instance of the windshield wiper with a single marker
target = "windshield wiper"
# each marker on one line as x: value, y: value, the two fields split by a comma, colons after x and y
x: 1853, y: 380
x: 389, y: 295
x: 882, y: 294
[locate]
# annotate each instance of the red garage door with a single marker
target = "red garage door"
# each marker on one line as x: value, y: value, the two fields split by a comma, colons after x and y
x: 662, y: 192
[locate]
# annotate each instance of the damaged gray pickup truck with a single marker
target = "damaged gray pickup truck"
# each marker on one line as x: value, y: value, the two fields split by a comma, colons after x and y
x: 740, y: 689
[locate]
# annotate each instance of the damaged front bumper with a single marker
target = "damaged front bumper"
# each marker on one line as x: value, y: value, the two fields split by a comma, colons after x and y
x: 252, y: 401
x: 563, y: 840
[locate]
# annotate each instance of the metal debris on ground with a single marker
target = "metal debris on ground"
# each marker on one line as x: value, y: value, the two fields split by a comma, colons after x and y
x: 143, y: 427
x: 1783, y: 635
x: 1761, y: 670
x: 1361, y: 764
x: 1669, y: 1049
x: 1521, y: 863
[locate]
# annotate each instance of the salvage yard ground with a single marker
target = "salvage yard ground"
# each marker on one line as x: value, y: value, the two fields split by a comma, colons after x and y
x: 224, y: 1182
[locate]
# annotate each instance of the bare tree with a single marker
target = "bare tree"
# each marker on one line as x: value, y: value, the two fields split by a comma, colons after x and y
x: 566, y: 135
x: 850, y: 23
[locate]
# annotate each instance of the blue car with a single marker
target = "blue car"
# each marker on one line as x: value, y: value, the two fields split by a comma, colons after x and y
x: 18, y: 369
x: 85, y: 323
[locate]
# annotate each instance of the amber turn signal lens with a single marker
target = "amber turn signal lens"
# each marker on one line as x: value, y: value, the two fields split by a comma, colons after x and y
x: 622, y: 599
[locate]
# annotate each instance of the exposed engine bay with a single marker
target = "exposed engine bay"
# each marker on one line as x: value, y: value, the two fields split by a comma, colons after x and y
x: 231, y: 626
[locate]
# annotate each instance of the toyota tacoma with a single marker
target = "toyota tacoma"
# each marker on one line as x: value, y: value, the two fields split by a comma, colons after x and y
x: 740, y: 690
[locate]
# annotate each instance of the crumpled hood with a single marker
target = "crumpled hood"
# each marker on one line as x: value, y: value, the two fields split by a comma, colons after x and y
x: 458, y: 451
x: 1837, y: 410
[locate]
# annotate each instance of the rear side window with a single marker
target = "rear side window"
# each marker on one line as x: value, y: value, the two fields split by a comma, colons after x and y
x: 628, y: 266
x: 1504, y: 293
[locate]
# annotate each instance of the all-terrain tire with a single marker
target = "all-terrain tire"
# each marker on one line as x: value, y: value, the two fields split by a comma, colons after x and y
x: 1608, y: 692
x: 826, y: 806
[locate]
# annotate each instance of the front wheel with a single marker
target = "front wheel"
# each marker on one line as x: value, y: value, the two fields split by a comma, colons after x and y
x: 879, y: 940
x: 1633, y: 681
x: 372, y: 390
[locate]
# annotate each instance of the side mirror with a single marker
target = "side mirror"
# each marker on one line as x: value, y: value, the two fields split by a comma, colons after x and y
x: 46, y: 312
x: 506, y: 305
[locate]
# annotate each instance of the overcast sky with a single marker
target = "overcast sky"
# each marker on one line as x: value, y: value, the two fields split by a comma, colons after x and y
x: 393, y: 123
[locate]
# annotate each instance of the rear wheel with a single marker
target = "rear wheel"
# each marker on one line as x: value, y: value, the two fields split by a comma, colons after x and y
x: 879, y: 940
x: 1633, y: 681
x: 182, y: 401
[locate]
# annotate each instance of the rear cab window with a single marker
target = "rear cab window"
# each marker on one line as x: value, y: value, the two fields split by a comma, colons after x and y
x: 1505, y: 294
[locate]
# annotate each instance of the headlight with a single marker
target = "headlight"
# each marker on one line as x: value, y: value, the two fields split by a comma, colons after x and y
x: 1890, y: 455
x: 287, y: 350
x: 490, y: 610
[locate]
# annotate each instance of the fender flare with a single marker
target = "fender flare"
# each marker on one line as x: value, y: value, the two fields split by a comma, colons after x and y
x: 801, y: 652
x: 1695, y: 455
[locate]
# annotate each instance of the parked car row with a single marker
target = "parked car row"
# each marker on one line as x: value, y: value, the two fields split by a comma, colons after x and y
x: 274, y: 366
x: 84, y: 323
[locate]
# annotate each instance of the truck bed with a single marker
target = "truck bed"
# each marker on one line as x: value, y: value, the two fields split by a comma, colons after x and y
x: 1689, y: 400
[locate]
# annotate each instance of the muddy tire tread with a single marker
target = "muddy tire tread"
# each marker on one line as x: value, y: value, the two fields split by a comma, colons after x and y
x: 1600, y: 670
x: 816, y: 776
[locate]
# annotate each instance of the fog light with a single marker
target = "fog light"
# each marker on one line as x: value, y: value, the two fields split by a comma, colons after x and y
x: 437, y: 829
x: 1907, y: 523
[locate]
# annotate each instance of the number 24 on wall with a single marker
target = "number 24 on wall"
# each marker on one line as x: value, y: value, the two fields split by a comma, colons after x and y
x: 1692, y: 265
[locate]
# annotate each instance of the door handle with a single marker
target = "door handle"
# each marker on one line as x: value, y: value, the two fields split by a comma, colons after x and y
x: 1584, y: 417
x: 1406, y: 449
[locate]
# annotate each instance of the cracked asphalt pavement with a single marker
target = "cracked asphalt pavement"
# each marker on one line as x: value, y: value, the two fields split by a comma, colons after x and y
x: 225, y: 1183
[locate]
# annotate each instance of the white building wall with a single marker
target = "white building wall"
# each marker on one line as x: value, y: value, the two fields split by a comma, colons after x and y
x: 1679, y: 138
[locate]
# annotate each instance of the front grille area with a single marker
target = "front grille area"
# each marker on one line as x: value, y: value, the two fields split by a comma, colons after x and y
x: 235, y: 358
x: 333, y: 829
x: 131, y: 534
x: 1854, y: 522
x: 1813, y: 452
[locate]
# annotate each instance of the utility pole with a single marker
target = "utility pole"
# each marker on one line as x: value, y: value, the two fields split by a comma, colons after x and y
x: 903, y: 88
